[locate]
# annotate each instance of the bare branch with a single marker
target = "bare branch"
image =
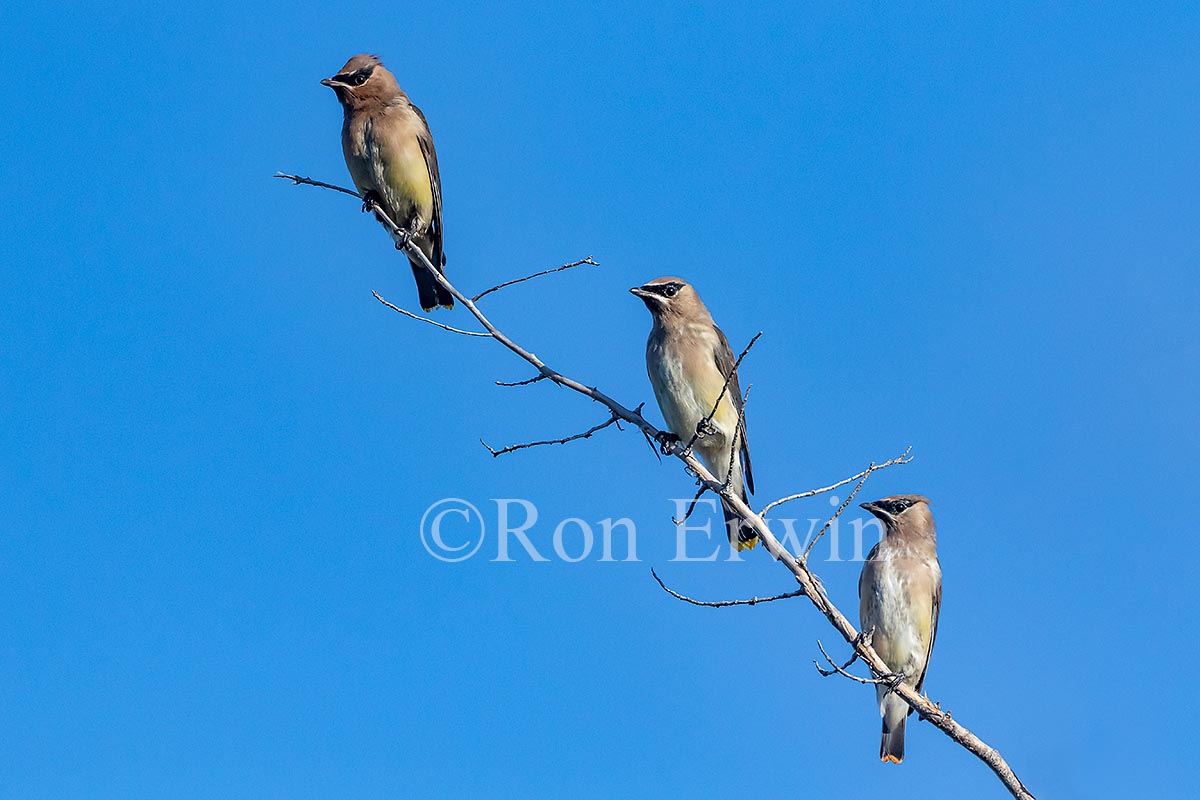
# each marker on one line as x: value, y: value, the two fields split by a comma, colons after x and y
x: 613, y: 420
x: 753, y: 601
x: 525, y: 382
x: 650, y: 442
x: 435, y: 323
x: 499, y: 286
x: 692, y: 505
x: 809, y: 584
x: 836, y: 514
x: 297, y: 181
x: 842, y: 669
x: 903, y: 458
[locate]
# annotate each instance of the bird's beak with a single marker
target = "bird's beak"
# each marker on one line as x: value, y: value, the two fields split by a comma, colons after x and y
x: 639, y: 292
x: 875, y: 510
x: 327, y: 82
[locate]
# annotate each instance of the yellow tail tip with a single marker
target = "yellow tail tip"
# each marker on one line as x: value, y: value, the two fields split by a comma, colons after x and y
x: 747, y: 545
x: 890, y: 759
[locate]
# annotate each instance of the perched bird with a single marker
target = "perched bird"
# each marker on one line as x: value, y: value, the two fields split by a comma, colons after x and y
x: 389, y: 151
x: 688, y: 359
x: 899, y: 595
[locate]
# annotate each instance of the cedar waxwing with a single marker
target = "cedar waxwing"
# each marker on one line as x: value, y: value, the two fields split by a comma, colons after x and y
x: 688, y: 359
x: 899, y: 595
x: 389, y: 151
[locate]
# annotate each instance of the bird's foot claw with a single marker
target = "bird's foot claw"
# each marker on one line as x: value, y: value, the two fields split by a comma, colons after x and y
x: 370, y: 201
x: 403, y: 237
x: 666, y: 442
x: 704, y: 428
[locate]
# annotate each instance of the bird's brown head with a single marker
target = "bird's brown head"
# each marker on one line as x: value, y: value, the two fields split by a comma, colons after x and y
x: 670, y: 297
x: 364, y: 81
x: 903, y: 513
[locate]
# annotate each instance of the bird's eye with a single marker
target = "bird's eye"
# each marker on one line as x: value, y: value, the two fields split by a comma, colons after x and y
x: 671, y: 290
x: 360, y: 79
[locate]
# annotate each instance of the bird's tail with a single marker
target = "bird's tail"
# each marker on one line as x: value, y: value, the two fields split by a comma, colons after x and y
x: 891, y: 749
x: 741, y: 536
x: 430, y: 293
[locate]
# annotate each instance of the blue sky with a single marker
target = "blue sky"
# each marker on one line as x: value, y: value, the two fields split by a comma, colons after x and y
x: 972, y: 231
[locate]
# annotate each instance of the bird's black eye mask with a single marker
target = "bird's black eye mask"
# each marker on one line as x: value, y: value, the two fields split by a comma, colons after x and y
x: 895, y: 507
x: 356, y: 78
x: 665, y: 289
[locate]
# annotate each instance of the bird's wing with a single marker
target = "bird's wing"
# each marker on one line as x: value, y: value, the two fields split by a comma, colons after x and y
x: 933, y: 625
x: 425, y: 137
x: 723, y: 354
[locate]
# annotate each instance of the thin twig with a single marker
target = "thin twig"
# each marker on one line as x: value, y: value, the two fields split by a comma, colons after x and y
x: 926, y: 708
x: 650, y: 444
x: 692, y: 505
x: 739, y: 432
x: 733, y: 452
x: 706, y: 423
x: 297, y: 181
x: 526, y: 382
x: 499, y: 286
x: 836, y: 514
x: 903, y: 458
x: 753, y: 601
x: 419, y: 318
x: 738, y: 436
x: 842, y: 669
x: 613, y: 420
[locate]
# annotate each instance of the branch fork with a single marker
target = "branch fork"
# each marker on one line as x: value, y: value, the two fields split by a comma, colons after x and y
x: 807, y: 580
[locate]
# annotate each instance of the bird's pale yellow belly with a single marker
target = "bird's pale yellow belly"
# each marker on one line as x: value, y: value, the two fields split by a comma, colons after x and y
x: 387, y: 159
x: 406, y: 178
